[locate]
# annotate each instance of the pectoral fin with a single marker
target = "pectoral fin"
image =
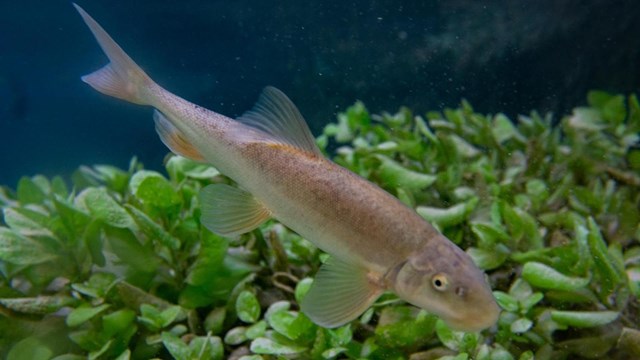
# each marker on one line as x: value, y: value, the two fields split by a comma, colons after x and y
x: 229, y: 211
x: 340, y: 293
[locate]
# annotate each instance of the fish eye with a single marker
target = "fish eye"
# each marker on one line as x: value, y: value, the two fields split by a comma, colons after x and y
x: 440, y: 282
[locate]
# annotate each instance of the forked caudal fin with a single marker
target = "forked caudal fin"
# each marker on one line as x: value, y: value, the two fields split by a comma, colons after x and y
x: 122, y: 77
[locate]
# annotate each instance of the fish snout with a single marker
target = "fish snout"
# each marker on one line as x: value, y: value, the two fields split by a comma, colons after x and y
x: 475, y: 317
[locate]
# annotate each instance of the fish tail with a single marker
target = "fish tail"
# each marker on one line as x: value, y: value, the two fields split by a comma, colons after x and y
x: 121, y: 77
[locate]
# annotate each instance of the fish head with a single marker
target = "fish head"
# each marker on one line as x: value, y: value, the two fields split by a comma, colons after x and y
x: 442, y: 279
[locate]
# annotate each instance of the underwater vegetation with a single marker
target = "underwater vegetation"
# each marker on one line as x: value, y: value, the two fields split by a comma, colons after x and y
x: 116, y: 265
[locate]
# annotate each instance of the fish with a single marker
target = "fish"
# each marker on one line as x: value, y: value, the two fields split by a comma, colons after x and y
x: 375, y: 242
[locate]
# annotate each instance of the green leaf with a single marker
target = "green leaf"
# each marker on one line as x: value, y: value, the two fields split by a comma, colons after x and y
x: 634, y: 113
x: 403, y: 326
x: 531, y: 301
x: 20, y: 250
x: 29, y: 192
x: 469, y: 342
x: 210, y: 258
x: 176, y: 347
x: 248, y: 307
x: 341, y: 336
x: 349, y: 121
x: 275, y: 308
x: 86, y: 339
x: 169, y: 315
x: 588, y: 347
x: 153, y: 189
x: 152, y: 229
x: 214, y: 322
x: 422, y: 127
x: 405, y: 197
x: 223, y: 278
x: 28, y: 222
x: 598, y: 98
x: 117, y: 322
x: 156, y: 319
x: 29, y: 348
x: 463, y: 147
x: 487, y: 259
x: 586, y: 119
x: 520, y: 289
x: 601, y: 259
x: 506, y: 301
x: 489, y: 234
x: 73, y: 218
x: 521, y: 325
x: 503, y: 128
x: 236, y: 336
x: 527, y: 355
x: 583, y: 319
x: 102, y: 206
x: 83, y: 314
x: 129, y: 250
x: 450, y: 216
x: 291, y: 324
x: 92, y: 237
x: 59, y: 187
x: 206, y: 348
x: 270, y: 347
x: 179, y: 167
x: 97, y: 285
x: 126, y: 355
x: 448, y: 337
x: 135, y: 297
x: 546, y: 277
x: 538, y: 191
x: 333, y: 352
x: 302, y: 288
x: 612, y: 106
x: 113, y: 177
x: 629, y: 341
x: 395, y: 175
x: 39, y: 305
x: 633, y: 158
x: 94, y: 355
x: 256, y: 330
x: 70, y: 357
x: 501, y: 354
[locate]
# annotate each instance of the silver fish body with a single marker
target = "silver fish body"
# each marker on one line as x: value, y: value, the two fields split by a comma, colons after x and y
x: 376, y: 243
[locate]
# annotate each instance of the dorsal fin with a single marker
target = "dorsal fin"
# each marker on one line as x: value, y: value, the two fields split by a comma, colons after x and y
x: 276, y: 116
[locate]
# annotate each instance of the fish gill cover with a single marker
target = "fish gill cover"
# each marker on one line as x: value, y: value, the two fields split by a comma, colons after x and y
x: 115, y: 264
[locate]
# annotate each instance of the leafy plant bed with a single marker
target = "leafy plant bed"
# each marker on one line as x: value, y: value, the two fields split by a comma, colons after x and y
x: 119, y: 266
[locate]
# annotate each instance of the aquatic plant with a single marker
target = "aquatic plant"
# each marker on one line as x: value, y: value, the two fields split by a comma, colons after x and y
x: 119, y: 265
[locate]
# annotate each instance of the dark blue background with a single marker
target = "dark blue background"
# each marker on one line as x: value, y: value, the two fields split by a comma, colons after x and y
x: 502, y: 56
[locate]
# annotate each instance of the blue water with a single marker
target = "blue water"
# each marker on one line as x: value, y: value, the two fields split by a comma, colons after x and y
x: 501, y: 56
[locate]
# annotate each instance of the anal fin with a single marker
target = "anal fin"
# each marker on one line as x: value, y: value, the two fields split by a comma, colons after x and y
x: 173, y: 138
x: 340, y: 293
x: 229, y: 211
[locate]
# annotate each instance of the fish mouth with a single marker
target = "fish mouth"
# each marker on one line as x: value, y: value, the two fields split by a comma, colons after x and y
x: 474, y: 320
